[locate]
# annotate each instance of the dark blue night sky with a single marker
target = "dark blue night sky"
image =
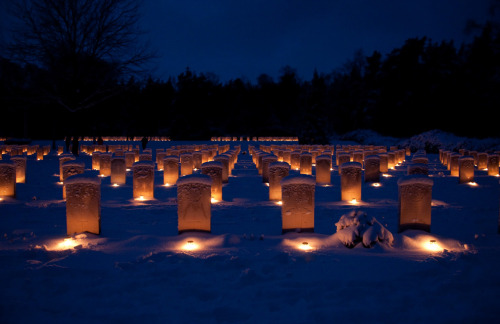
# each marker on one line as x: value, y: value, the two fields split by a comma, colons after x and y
x: 247, y: 38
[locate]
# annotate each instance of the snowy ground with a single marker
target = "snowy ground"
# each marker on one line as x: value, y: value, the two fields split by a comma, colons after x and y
x: 246, y: 271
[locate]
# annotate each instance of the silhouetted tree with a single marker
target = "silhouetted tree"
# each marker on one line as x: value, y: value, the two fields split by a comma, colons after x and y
x: 85, y: 46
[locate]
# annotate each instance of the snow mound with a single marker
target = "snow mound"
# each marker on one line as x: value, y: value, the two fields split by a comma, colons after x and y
x: 369, y: 137
x: 357, y: 226
x: 430, y: 141
x: 434, y: 140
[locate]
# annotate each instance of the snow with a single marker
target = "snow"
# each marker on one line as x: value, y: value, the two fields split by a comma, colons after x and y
x: 195, y: 178
x: 298, y: 179
x: 83, y: 178
x: 140, y: 270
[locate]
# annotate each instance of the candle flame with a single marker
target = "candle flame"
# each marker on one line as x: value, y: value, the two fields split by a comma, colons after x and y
x: 304, y: 246
x: 190, y: 246
x: 433, y: 246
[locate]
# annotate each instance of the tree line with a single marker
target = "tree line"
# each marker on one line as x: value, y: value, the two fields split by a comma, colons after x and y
x: 419, y: 86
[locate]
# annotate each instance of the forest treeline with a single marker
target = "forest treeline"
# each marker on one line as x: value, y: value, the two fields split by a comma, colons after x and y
x: 421, y: 85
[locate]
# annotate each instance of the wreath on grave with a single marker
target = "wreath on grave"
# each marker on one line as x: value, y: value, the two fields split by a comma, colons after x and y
x: 357, y: 227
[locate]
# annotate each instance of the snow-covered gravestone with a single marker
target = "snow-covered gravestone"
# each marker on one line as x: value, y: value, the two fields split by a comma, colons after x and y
x: 145, y: 156
x: 205, y: 155
x: 258, y: 160
x: 197, y: 159
x: 7, y: 179
x: 372, y: 168
x: 384, y: 162
x: 417, y: 168
x: 295, y: 160
x: 20, y: 162
x: 186, y: 164
x: 170, y: 170
x: 194, y: 203
x: 118, y: 170
x: 96, y: 160
x: 277, y: 171
x: 453, y: 163
x: 214, y: 169
x: 64, y: 158
x: 323, y: 169
x: 493, y: 167
x: 391, y: 160
x: 343, y: 158
x: 465, y: 169
x: 143, y: 180
x: 224, y: 160
x: 105, y: 164
x: 420, y: 159
x: 415, y: 198
x: 129, y: 159
x: 357, y: 156
x: 297, y: 211
x: 160, y: 155
x: 287, y: 156
x: 71, y: 168
x: 482, y: 160
x: 83, y: 204
x: 350, y: 181
x: 306, y: 163
x: 266, y: 161
x: 40, y: 153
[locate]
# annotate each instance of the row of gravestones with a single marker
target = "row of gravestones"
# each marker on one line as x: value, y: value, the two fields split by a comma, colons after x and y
x: 295, y: 192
